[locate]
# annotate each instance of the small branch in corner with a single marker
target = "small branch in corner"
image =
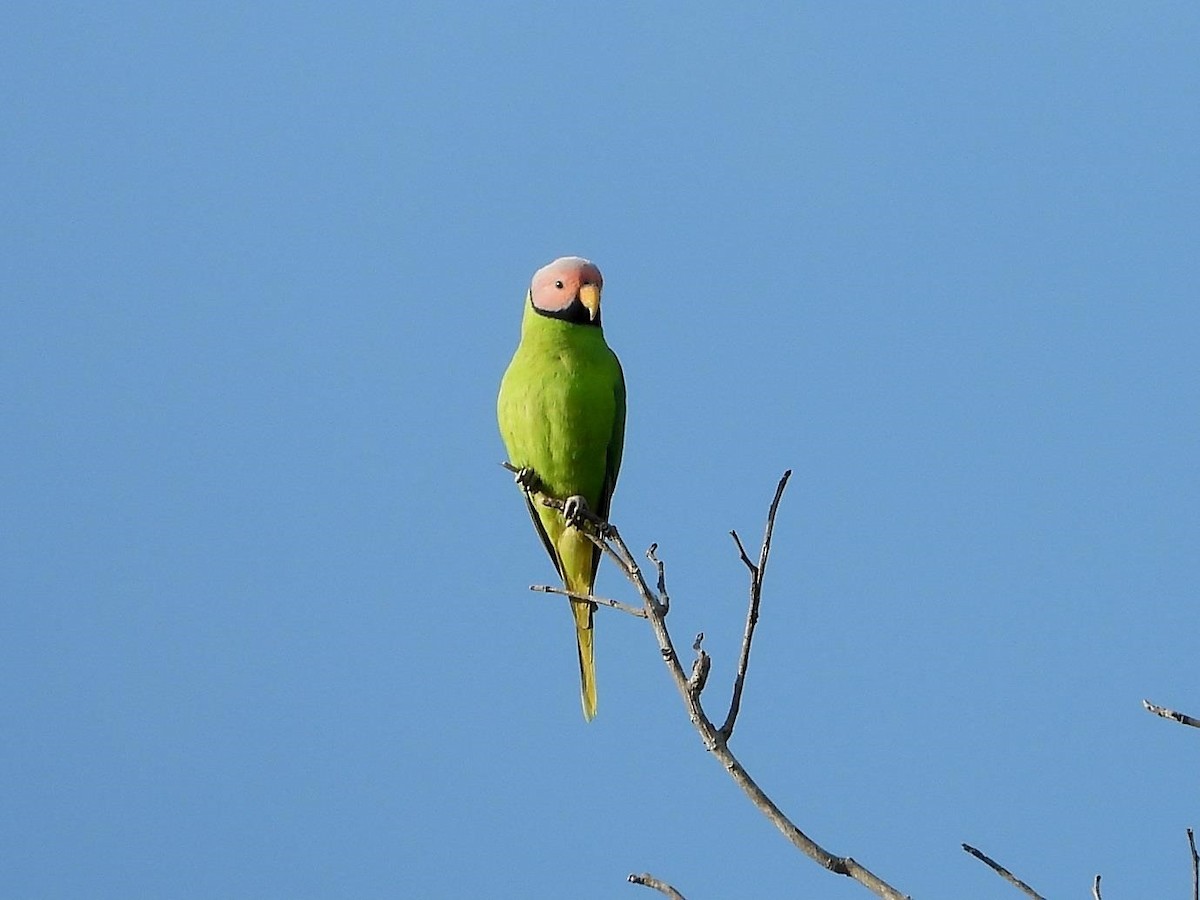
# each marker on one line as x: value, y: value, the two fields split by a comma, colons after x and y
x: 1181, y: 718
x: 1003, y: 872
x: 648, y: 880
x: 1195, y: 865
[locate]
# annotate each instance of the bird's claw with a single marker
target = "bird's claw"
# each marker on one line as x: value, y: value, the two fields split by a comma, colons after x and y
x: 575, y: 510
x: 527, y: 480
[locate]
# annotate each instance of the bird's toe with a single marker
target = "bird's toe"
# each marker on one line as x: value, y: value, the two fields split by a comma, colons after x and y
x: 575, y: 510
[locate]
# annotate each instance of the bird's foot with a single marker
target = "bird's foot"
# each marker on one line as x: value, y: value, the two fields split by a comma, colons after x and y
x: 527, y: 480
x: 577, y: 515
x: 575, y: 511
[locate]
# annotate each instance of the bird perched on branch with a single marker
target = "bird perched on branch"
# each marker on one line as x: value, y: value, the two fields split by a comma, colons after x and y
x: 562, y: 416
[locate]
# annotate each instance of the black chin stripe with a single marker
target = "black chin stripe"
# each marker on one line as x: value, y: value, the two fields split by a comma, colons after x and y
x: 576, y: 313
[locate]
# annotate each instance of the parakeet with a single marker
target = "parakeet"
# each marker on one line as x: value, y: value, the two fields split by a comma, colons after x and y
x: 561, y: 412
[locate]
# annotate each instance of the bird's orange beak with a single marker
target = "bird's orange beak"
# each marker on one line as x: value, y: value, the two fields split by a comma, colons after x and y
x: 589, y: 296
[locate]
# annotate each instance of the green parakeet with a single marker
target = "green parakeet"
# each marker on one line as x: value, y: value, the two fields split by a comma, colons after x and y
x: 562, y: 415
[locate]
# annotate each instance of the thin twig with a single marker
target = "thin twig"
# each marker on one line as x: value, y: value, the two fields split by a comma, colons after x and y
x: 624, y: 562
x: 602, y: 601
x: 1096, y: 889
x: 1195, y: 866
x: 700, y: 666
x: 756, y: 581
x: 633, y: 571
x: 1003, y: 872
x: 663, y: 599
x: 1181, y: 718
x: 650, y: 881
x: 742, y: 552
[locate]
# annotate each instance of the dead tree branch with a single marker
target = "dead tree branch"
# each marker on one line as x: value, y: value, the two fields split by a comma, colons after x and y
x: 1195, y: 865
x: 700, y: 666
x: 1179, y: 717
x: 650, y: 881
x: 715, y: 739
x: 1096, y: 889
x: 663, y: 599
x: 1003, y: 872
x: 756, y: 581
x: 591, y: 598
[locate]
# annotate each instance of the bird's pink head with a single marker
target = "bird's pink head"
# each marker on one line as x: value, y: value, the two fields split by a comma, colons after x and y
x: 568, y: 288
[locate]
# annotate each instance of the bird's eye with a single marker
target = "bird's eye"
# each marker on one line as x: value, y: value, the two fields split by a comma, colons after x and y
x: 558, y: 284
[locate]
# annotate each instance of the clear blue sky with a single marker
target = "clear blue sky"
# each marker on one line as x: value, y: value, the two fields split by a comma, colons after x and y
x: 262, y: 581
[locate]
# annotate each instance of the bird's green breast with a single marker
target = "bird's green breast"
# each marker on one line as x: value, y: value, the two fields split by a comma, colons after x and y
x: 558, y: 405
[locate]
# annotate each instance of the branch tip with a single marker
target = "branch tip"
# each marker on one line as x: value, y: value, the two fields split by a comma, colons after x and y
x: 743, y: 554
x: 1195, y: 865
x: 648, y: 880
x: 1003, y: 872
x: 1181, y: 718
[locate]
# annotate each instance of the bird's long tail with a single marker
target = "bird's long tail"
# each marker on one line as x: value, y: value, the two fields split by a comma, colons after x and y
x: 587, y: 660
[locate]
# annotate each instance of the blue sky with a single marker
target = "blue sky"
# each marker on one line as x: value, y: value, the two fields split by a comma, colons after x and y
x: 263, y: 582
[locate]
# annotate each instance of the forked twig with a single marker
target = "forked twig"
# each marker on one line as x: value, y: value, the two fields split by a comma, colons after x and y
x: 716, y: 740
x: 1003, y: 872
x: 1181, y: 718
x: 650, y: 881
x: 756, y: 581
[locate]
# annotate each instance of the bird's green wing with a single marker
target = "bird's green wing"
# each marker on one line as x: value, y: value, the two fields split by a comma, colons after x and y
x: 616, y: 446
x: 541, y: 530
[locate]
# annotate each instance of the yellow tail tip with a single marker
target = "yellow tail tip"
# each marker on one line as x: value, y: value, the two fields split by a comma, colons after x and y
x: 587, y: 658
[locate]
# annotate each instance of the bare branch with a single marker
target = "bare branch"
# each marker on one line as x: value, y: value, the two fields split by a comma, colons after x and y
x: 633, y: 571
x: 663, y: 599
x: 1179, y: 717
x: 1096, y: 889
x: 745, y: 556
x: 700, y: 666
x: 619, y: 554
x: 756, y: 581
x: 601, y: 601
x: 1195, y: 866
x: 1003, y: 872
x: 650, y: 881
x: 715, y: 741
